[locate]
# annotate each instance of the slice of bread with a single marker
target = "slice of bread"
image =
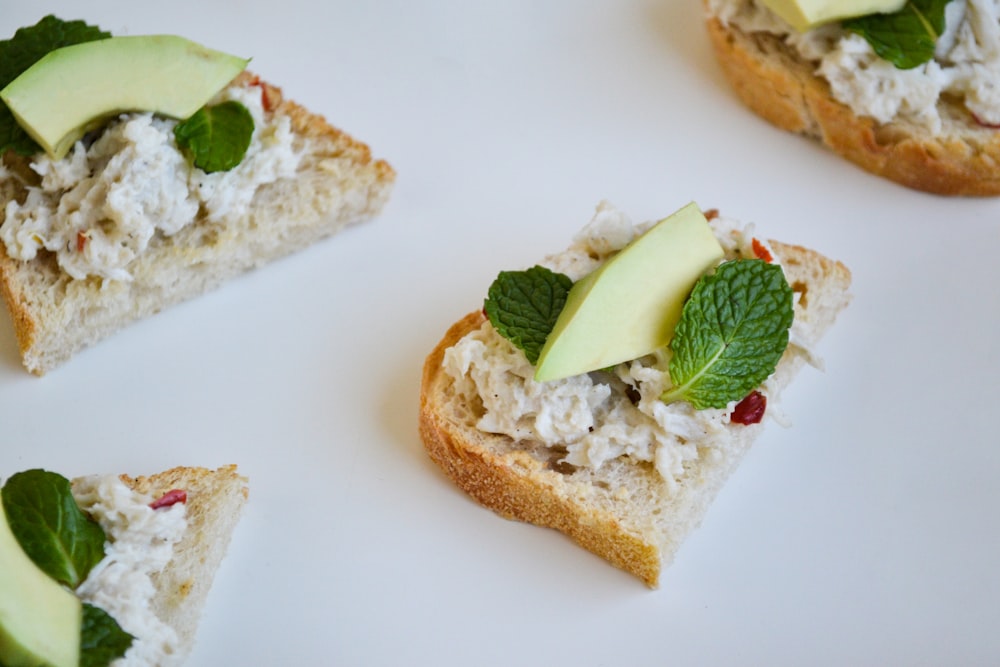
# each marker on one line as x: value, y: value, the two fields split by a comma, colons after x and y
x: 624, y: 510
x: 337, y: 183
x: 963, y: 158
x: 214, y: 504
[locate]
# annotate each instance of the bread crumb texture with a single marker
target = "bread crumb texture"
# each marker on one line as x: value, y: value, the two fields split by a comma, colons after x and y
x: 215, y: 503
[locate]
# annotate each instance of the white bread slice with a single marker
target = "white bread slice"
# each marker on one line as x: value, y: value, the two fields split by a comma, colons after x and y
x: 623, y: 511
x: 215, y: 502
x: 781, y: 87
x: 214, y: 505
x: 337, y: 183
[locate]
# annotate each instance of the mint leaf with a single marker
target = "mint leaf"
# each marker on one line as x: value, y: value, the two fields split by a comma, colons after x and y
x: 732, y: 331
x: 906, y: 38
x: 50, y: 527
x: 102, y: 640
x: 216, y: 136
x: 523, y: 306
x: 23, y: 50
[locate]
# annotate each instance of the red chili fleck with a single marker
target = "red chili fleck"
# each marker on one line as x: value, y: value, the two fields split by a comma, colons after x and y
x: 761, y: 251
x: 750, y: 410
x: 711, y: 214
x: 169, y: 498
x: 983, y: 123
x: 265, y: 99
x: 81, y: 241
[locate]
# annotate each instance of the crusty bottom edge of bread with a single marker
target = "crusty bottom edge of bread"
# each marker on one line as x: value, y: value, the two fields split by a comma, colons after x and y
x: 215, y: 503
x: 524, y: 481
x: 784, y: 90
x: 337, y: 184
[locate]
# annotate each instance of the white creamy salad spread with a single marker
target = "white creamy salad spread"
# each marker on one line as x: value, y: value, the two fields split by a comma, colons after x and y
x: 966, y: 64
x: 98, y: 208
x: 596, y: 416
x: 140, y: 542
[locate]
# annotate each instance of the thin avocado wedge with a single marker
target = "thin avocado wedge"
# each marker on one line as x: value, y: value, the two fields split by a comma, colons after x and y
x: 807, y: 14
x: 74, y: 89
x: 629, y: 306
x: 39, y: 619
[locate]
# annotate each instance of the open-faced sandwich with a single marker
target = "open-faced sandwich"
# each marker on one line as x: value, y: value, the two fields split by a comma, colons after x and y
x: 610, y: 390
x: 110, y: 570
x: 140, y: 171
x: 906, y: 89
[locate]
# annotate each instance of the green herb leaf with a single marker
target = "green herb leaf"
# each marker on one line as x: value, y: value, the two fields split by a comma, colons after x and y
x: 523, y: 306
x: 906, y: 38
x: 217, y: 136
x: 732, y: 332
x: 102, y: 640
x: 50, y: 527
x: 23, y: 50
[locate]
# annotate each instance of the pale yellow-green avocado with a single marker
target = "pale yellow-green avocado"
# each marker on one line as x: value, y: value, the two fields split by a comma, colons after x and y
x: 630, y: 305
x: 73, y: 90
x: 807, y: 14
x: 39, y: 619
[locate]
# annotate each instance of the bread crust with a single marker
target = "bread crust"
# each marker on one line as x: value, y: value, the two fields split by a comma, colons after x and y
x: 782, y: 88
x: 505, y: 477
x: 339, y: 183
x: 518, y: 486
x: 25, y: 324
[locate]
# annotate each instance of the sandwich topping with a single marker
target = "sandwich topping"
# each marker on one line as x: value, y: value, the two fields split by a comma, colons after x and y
x: 140, y: 542
x: 963, y: 59
x: 101, y: 206
x: 607, y: 414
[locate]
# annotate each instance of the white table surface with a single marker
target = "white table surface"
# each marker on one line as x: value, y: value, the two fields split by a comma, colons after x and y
x: 864, y: 534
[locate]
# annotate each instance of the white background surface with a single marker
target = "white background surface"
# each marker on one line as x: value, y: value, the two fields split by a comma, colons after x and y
x: 865, y: 534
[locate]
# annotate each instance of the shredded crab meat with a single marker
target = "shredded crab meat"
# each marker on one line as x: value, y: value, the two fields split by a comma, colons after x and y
x: 100, y: 207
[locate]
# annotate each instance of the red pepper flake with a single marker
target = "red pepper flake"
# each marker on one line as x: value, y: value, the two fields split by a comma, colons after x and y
x: 711, y: 214
x: 761, y: 251
x: 81, y: 241
x: 750, y: 410
x: 266, y: 101
x: 983, y: 123
x: 265, y: 98
x: 169, y: 498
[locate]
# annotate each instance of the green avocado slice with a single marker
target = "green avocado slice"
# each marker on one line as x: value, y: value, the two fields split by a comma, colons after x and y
x: 630, y: 305
x: 807, y: 14
x: 39, y: 619
x: 74, y: 89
